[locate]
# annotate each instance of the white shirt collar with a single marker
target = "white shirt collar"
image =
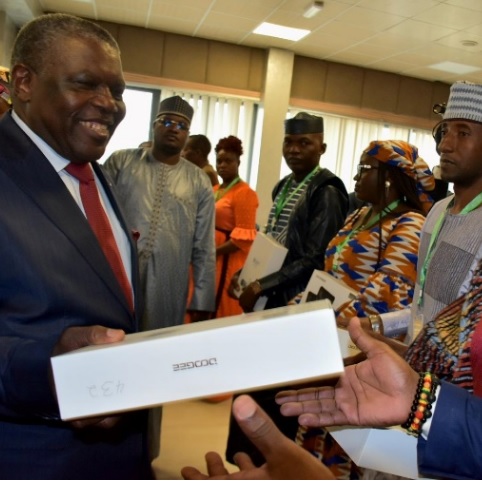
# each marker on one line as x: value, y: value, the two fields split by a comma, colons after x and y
x: 58, y: 162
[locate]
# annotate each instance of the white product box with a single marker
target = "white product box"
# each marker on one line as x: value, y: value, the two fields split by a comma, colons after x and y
x: 389, y: 450
x: 265, y: 257
x: 324, y: 286
x: 273, y: 347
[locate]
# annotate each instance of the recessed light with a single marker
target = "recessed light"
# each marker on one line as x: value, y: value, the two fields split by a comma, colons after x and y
x: 279, y: 31
x: 469, y: 43
x: 454, y: 68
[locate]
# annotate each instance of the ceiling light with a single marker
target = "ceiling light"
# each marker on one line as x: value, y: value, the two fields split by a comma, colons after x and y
x: 313, y: 9
x: 469, y: 43
x: 278, y: 31
x: 454, y: 68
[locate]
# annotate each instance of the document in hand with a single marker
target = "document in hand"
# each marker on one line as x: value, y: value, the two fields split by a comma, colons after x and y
x: 265, y: 257
x: 324, y: 286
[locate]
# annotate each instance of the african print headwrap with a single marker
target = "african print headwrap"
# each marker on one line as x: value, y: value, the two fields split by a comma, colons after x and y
x: 404, y: 156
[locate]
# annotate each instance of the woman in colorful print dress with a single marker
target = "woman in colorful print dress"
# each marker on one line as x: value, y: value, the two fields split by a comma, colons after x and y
x: 375, y: 253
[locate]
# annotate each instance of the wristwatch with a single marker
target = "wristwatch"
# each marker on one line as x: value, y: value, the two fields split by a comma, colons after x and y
x: 376, y: 323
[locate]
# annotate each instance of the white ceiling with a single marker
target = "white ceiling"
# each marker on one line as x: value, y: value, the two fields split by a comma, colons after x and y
x: 401, y: 36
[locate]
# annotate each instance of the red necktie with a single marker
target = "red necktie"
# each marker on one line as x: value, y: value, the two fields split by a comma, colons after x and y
x: 100, y: 223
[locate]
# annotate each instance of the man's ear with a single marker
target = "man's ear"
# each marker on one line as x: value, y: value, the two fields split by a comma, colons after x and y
x: 323, y: 148
x: 22, y: 78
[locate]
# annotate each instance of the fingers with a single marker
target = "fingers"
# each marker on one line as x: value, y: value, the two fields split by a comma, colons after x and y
x: 286, y: 396
x: 256, y: 425
x: 243, y: 461
x: 191, y: 473
x: 103, y: 423
x: 79, y: 336
x: 305, y: 395
x: 215, y: 464
x: 363, y: 340
x: 215, y: 468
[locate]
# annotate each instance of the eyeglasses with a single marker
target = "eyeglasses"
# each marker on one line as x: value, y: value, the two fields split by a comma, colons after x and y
x: 182, y: 126
x: 361, y: 168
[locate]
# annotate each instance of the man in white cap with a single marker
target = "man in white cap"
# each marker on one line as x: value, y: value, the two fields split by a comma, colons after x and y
x: 451, y: 239
x: 169, y: 201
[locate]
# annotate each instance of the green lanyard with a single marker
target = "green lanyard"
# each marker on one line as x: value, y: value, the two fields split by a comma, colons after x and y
x: 471, y: 206
x: 283, y: 200
x: 340, y: 247
x: 221, y: 192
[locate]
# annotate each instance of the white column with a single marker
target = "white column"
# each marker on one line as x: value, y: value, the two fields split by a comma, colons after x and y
x: 275, y: 101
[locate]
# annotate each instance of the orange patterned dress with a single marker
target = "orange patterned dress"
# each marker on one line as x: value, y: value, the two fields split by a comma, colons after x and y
x: 235, y: 220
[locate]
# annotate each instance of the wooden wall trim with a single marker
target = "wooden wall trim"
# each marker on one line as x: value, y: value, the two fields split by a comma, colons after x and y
x: 359, y: 113
x: 153, y: 81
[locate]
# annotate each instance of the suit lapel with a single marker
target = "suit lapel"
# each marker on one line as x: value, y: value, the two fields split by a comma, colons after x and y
x: 28, y: 168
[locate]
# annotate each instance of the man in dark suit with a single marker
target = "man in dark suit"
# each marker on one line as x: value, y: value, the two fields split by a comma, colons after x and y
x: 58, y: 291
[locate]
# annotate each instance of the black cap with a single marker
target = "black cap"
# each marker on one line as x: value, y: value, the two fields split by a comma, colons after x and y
x: 176, y: 105
x: 304, y: 123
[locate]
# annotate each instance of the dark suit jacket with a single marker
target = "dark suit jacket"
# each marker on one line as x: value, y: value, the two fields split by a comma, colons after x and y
x: 53, y: 275
x: 453, y: 449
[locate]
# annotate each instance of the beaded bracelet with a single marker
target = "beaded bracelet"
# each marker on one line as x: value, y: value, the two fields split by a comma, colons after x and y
x: 422, y: 404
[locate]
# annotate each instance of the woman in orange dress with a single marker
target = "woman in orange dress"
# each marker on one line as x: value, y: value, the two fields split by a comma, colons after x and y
x: 236, y: 205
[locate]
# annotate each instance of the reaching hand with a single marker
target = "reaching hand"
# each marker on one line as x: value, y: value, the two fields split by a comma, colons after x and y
x: 284, y: 459
x: 377, y: 392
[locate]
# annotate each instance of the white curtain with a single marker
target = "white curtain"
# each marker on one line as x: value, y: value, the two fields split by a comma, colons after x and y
x: 347, y: 137
x: 217, y: 117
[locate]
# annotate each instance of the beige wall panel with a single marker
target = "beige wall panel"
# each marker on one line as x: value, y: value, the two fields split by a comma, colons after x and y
x: 380, y: 91
x: 185, y: 58
x: 415, y: 97
x: 344, y: 84
x: 257, y: 69
x: 141, y: 50
x: 440, y: 94
x: 309, y: 78
x: 204, y: 62
x: 228, y: 65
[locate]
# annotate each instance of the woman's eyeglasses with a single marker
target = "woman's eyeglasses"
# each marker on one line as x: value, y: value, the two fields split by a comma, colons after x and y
x: 361, y: 168
x: 182, y: 126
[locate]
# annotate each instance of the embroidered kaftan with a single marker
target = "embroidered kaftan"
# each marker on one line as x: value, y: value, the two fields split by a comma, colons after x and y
x: 172, y: 207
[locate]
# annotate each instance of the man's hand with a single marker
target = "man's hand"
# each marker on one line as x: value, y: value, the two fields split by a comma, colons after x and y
x: 377, y: 392
x: 284, y: 459
x: 250, y: 296
x: 77, y: 337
